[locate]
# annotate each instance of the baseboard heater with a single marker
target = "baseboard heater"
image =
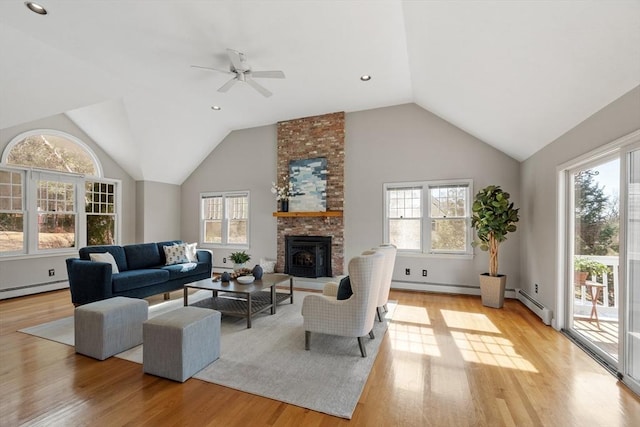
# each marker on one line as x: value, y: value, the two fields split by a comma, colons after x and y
x: 540, y: 310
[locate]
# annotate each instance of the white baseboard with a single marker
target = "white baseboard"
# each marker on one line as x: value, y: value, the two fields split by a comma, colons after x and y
x: 444, y: 288
x: 33, y: 289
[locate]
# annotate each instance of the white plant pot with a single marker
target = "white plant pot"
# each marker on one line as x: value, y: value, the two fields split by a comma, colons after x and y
x: 237, y: 267
x: 492, y: 290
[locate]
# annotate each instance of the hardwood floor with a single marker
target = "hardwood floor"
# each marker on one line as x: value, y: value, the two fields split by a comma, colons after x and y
x: 445, y: 361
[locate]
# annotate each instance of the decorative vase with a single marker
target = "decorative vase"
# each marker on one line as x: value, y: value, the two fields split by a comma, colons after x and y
x: 492, y: 290
x: 284, y: 206
x: 237, y: 266
x: 257, y: 272
x: 225, y: 277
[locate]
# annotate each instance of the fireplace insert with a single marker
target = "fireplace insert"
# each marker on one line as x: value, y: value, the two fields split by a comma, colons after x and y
x: 308, y: 256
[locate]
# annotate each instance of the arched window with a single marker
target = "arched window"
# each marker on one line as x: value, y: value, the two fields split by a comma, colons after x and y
x: 52, y: 150
x: 51, y: 188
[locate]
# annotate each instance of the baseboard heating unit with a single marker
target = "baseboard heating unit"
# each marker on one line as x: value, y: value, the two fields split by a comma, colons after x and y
x: 540, y: 310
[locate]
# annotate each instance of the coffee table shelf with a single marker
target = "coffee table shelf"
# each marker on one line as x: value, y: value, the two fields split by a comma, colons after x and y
x: 235, y: 299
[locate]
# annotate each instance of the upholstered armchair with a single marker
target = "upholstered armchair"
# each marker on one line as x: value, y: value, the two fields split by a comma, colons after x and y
x: 352, y: 317
x: 389, y: 252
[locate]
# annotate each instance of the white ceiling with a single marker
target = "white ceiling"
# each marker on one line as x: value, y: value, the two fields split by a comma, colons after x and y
x: 515, y: 74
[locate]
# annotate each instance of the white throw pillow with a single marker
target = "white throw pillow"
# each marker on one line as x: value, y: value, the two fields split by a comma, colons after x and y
x: 105, y: 257
x: 268, y: 265
x: 191, y: 252
x: 176, y: 254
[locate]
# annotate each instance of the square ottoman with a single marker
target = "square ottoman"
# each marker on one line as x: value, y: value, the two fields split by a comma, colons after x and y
x: 181, y: 342
x: 108, y: 327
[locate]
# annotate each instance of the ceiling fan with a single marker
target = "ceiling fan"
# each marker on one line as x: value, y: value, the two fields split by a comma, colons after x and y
x: 243, y: 73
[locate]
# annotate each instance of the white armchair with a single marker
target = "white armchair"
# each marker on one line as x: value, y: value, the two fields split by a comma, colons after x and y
x: 389, y: 252
x: 352, y: 317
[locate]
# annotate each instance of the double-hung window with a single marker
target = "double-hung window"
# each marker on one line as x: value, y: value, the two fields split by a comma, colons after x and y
x: 224, y: 219
x: 12, y: 212
x: 431, y: 217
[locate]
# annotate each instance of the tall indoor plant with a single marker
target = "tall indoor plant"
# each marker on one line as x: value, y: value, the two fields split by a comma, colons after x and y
x: 493, y: 218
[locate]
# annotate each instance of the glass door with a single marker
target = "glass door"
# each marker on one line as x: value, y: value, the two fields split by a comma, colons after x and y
x: 594, y: 287
x: 631, y: 271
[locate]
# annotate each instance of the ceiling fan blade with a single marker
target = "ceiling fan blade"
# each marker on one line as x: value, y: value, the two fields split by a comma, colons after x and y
x: 212, y: 69
x: 268, y: 74
x: 236, y: 59
x: 225, y: 87
x: 258, y: 87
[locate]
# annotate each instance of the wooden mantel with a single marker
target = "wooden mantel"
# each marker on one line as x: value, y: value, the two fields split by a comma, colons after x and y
x: 307, y: 214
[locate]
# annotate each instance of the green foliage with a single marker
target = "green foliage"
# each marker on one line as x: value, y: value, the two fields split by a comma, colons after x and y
x: 239, y: 257
x: 590, y: 266
x: 493, y: 218
x: 596, y: 217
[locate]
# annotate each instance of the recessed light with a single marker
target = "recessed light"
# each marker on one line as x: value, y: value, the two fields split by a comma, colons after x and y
x: 35, y: 7
x: 216, y: 107
x: 365, y: 78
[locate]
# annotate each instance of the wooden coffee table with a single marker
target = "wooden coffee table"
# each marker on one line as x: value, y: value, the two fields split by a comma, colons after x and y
x: 235, y: 299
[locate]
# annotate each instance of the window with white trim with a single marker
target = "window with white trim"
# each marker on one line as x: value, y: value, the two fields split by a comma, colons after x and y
x: 42, y: 192
x: 224, y: 219
x: 431, y: 217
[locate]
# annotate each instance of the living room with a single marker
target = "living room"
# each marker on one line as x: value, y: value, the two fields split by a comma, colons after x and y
x: 394, y: 138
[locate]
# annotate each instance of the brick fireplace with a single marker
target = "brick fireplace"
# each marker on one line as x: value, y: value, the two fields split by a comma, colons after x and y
x: 305, y: 138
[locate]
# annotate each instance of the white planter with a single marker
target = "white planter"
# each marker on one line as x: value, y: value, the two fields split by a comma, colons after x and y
x: 237, y: 267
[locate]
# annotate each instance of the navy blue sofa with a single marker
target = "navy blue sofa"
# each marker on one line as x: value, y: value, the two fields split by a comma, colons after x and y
x: 142, y: 272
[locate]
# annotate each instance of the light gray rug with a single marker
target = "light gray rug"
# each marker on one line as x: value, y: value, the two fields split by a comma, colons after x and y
x: 269, y: 359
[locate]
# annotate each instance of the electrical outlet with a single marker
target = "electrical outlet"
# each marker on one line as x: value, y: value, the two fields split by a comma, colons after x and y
x: 224, y: 260
x: 536, y: 290
x: 407, y: 271
x: 52, y: 272
x: 424, y: 273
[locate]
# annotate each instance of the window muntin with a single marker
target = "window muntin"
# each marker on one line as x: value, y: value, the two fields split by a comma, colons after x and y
x: 429, y: 217
x: 100, y: 209
x: 225, y: 219
x: 57, y: 216
x: 405, y: 217
x: 449, y: 213
x: 12, y: 213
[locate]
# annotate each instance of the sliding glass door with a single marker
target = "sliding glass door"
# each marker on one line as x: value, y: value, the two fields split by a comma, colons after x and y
x: 599, y: 249
x: 594, y: 285
x: 631, y: 270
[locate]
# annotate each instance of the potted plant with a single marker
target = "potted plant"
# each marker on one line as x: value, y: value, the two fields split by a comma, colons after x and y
x: 239, y: 259
x: 493, y: 218
x: 585, y: 267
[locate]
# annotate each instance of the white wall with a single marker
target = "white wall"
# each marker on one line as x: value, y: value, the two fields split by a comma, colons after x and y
x: 538, y: 184
x: 157, y: 211
x: 244, y: 160
x: 401, y: 143
x: 408, y: 143
x: 30, y: 275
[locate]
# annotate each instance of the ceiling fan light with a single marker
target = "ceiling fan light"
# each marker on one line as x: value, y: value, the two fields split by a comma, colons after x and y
x: 365, y: 77
x: 35, y: 7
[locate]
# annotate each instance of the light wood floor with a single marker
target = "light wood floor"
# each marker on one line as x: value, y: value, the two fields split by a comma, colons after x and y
x: 446, y: 361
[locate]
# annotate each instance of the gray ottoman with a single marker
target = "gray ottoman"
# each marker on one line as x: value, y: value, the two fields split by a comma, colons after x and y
x: 181, y: 342
x: 108, y: 327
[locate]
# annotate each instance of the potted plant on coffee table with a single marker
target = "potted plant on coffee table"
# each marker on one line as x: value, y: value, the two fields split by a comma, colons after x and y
x: 493, y: 218
x: 239, y: 259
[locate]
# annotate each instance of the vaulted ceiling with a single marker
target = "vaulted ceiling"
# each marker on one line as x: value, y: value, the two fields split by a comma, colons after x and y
x: 515, y: 74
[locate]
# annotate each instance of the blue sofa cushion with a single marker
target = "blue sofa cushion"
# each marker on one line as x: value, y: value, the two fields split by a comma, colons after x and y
x: 116, y: 251
x: 181, y: 270
x: 344, y: 289
x: 134, y: 279
x: 143, y: 255
x: 161, y: 245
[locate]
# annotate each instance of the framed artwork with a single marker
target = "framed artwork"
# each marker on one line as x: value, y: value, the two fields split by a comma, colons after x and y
x: 309, y: 179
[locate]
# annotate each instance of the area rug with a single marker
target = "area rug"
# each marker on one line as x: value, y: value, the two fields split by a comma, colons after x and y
x: 269, y: 359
